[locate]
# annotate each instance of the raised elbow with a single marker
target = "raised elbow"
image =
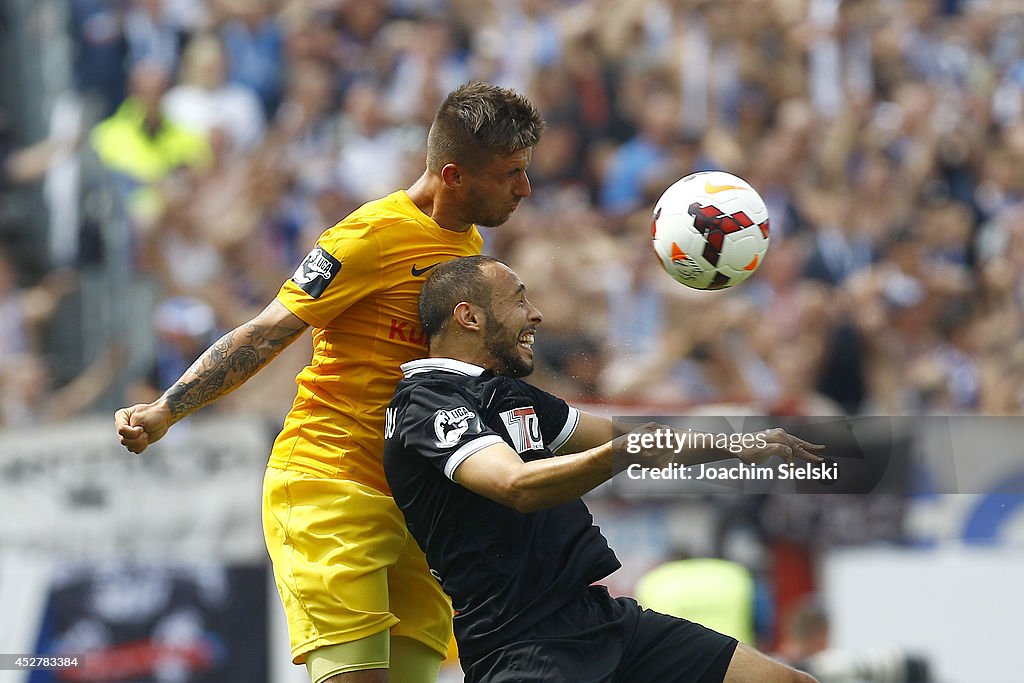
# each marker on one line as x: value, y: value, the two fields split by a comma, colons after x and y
x: 528, y: 504
x: 508, y: 483
x: 522, y: 498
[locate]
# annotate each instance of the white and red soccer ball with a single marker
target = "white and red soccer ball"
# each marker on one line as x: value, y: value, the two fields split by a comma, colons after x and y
x: 710, y: 230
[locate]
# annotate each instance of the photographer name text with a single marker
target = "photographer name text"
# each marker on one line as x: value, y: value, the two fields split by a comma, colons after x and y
x: 805, y: 471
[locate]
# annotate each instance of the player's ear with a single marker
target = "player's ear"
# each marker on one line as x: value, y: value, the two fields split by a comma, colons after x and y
x: 467, y: 316
x: 451, y: 175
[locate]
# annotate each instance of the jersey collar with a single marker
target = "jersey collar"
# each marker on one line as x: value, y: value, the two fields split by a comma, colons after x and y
x: 447, y: 364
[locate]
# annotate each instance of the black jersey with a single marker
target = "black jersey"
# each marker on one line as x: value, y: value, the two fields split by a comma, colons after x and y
x: 504, y: 570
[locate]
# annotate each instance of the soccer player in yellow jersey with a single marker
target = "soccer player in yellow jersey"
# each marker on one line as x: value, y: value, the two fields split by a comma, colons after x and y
x: 355, y: 586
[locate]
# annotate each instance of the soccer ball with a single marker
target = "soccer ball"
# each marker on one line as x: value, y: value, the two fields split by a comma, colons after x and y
x: 710, y: 230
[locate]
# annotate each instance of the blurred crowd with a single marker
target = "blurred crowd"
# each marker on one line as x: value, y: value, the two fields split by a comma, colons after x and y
x: 887, y: 138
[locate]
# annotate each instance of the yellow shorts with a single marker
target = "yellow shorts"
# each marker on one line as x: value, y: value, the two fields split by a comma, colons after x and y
x: 346, y: 566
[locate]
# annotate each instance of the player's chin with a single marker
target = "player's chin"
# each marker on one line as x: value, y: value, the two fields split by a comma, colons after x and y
x: 526, y: 363
x: 497, y: 220
x: 522, y: 365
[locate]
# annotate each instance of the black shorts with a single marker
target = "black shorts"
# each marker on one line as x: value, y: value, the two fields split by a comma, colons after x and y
x: 599, y: 639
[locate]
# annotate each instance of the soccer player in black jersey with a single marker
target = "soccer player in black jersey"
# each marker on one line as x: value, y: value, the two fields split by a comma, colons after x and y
x: 470, y: 457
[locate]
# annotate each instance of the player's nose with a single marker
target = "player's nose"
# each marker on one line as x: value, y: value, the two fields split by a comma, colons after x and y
x: 535, y: 315
x: 522, y: 187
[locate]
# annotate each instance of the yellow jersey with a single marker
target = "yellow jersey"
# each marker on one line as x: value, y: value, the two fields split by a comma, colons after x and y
x: 359, y: 289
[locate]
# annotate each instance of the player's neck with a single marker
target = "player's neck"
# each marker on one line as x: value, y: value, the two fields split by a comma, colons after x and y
x: 467, y: 353
x: 427, y: 193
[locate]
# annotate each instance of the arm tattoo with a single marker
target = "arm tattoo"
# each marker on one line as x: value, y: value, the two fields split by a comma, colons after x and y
x: 233, y: 359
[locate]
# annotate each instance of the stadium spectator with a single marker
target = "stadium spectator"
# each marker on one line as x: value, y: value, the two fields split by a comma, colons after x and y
x: 805, y: 633
x: 254, y: 41
x: 31, y: 388
x: 100, y: 52
x: 185, y: 327
x: 373, y: 155
x: 153, y: 34
x: 139, y: 143
x: 20, y: 313
x: 719, y: 594
x: 806, y: 643
x: 203, y: 100
x: 640, y: 157
x: 426, y: 66
x: 305, y: 127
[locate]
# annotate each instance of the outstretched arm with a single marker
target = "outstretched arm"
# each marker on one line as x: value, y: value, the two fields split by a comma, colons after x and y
x: 594, y: 430
x: 497, y: 472
x: 591, y: 431
x: 225, y: 366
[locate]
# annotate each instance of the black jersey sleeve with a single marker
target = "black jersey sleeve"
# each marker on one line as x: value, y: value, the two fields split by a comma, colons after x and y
x: 444, y: 426
x: 558, y: 419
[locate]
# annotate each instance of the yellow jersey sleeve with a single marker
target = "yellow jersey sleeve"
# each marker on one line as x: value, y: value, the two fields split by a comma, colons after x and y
x: 358, y: 288
x: 343, y: 268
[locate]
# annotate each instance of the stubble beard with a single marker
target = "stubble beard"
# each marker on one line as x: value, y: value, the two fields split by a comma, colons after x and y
x: 505, y: 352
x: 490, y: 220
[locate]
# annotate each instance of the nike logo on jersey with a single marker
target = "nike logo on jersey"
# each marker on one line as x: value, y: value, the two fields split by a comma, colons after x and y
x: 416, y: 272
x: 715, y: 189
